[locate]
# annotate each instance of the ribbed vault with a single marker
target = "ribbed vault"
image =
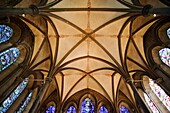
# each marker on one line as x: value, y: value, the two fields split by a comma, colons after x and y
x: 91, y: 49
x: 81, y: 44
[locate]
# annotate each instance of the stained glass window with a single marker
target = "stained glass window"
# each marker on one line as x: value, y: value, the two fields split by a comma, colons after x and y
x: 150, y: 104
x: 163, y: 97
x: 13, y: 96
x: 87, y: 106
x: 8, y: 57
x: 5, y: 33
x: 24, y: 104
x: 165, y: 56
x: 123, y: 109
x: 168, y: 32
x: 103, y: 110
x: 51, y: 109
x: 71, y: 109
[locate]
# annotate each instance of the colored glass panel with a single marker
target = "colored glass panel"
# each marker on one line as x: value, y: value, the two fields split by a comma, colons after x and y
x: 8, y: 57
x: 24, y: 104
x: 150, y: 104
x: 163, y: 97
x: 71, y: 109
x: 103, y: 110
x: 87, y: 106
x: 5, y: 33
x: 51, y: 109
x: 165, y: 56
x: 168, y: 32
x: 123, y: 109
x: 13, y: 96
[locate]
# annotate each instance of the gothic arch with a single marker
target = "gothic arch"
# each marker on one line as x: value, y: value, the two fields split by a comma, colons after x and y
x: 125, y: 105
x: 156, y: 39
x: 72, y: 103
x: 21, y: 40
x: 124, y: 101
x: 99, y: 41
x: 52, y: 100
x: 28, y: 88
x: 147, y: 83
x: 97, y: 99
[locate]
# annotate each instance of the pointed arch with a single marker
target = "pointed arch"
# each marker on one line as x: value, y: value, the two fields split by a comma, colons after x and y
x: 13, y: 96
x: 151, y: 104
x: 50, y: 109
x: 168, y: 32
x: 164, y: 55
x: 71, y: 109
x: 151, y: 93
x: 103, y: 109
x: 24, y: 104
x: 5, y: 33
x: 124, y: 109
x: 160, y: 93
x: 87, y: 106
x: 156, y: 46
x: 26, y: 99
x: 88, y: 101
x: 8, y: 57
x: 51, y: 100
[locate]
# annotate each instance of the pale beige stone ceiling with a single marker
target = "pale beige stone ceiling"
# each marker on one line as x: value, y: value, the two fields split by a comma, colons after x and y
x: 89, y: 59
x: 101, y: 80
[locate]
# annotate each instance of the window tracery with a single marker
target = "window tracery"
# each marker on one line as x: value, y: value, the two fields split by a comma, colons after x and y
x: 13, y: 96
x: 165, y: 56
x: 87, y: 101
x: 163, y: 97
x: 71, y: 109
x: 8, y: 57
x: 5, y: 33
x: 103, y: 109
x: 124, y: 109
x: 168, y: 32
x: 24, y: 104
x: 50, y: 109
x: 87, y: 106
x: 150, y: 104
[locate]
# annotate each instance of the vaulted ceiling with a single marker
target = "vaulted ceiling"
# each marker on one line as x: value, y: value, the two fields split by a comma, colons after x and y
x: 85, y: 48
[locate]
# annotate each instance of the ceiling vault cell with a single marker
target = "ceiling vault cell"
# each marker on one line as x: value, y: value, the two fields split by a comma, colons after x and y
x: 88, y: 47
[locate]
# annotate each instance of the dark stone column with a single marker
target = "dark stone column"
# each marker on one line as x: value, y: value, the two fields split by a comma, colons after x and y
x: 33, y: 10
x: 148, y: 10
x: 138, y: 97
x: 160, y: 11
x: 40, y: 96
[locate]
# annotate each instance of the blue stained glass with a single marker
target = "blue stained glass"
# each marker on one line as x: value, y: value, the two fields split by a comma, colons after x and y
x: 165, y: 56
x: 50, y: 109
x: 87, y: 106
x: 5, y: 33
x: 13, y: 96
x: 8, y: 57
x: 24, y: 104
x: 103, y: 110
x: 168, y: 32
x: 71, y: 109
x: 123, y: 109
